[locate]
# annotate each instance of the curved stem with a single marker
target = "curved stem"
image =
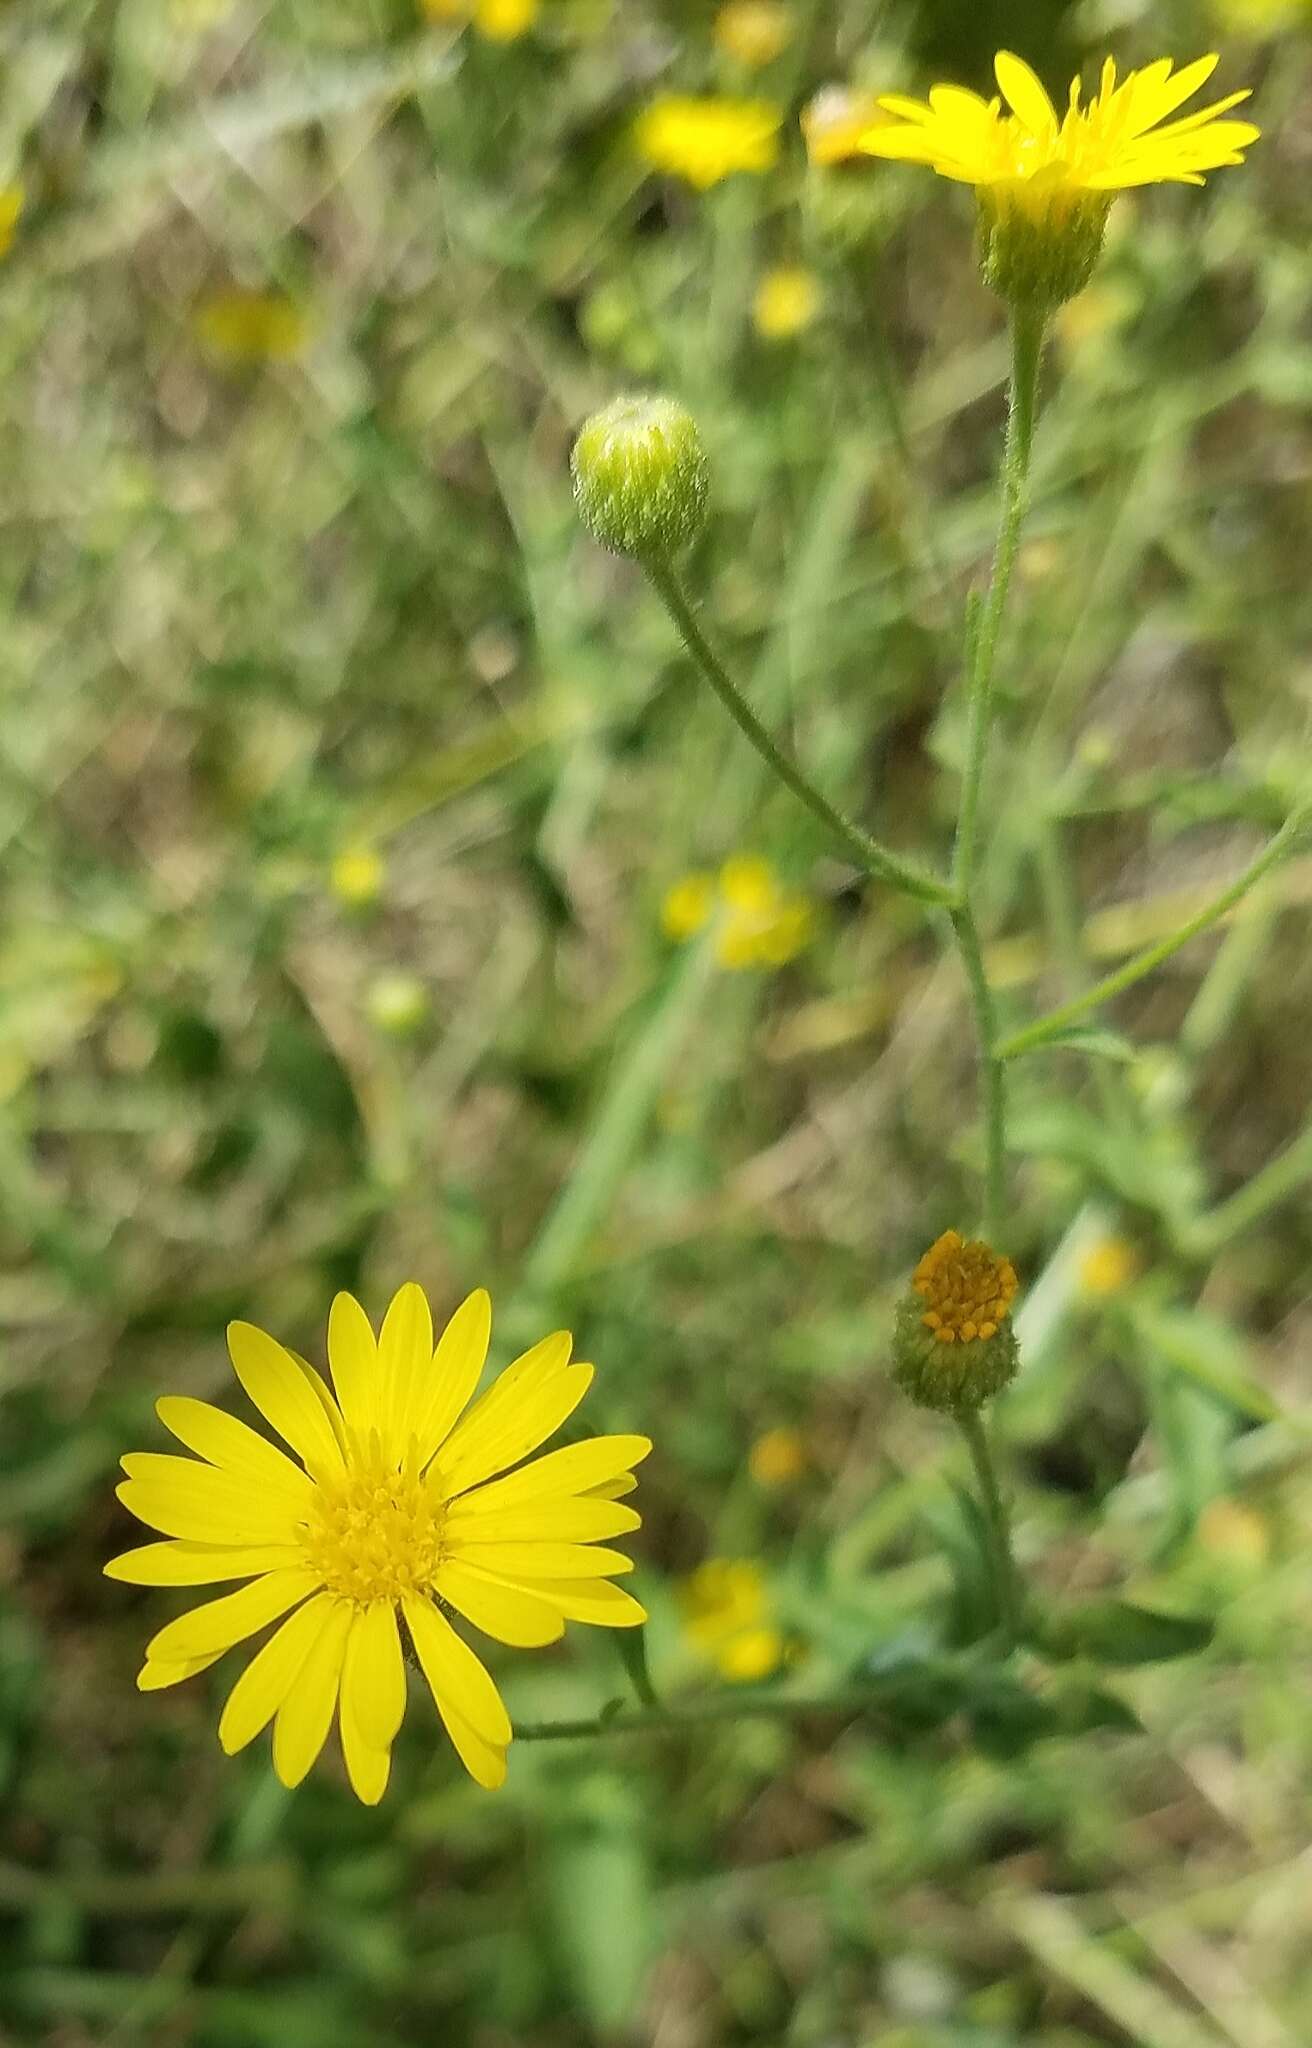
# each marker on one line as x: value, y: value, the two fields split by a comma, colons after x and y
x: 1060, y: 1020
x: 875, y: 859
x: 992, y: 1079
x: 1005, y: 1581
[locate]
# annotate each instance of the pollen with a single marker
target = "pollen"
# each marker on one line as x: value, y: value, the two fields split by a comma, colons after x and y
x: 967, y: 1289
x: 374, y: 1535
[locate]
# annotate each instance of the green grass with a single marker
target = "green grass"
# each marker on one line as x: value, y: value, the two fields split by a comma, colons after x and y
x: 253, y: 613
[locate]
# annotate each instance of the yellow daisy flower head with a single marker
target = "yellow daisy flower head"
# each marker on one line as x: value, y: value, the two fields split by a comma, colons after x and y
x: 728, y: 1620
x: 252, y: 327
x: 705, y: 140
x: 400, y: 1505
x: 753, y: 32
x: 787, y: 300
x: 759, y: 922
x: 1045, y: 181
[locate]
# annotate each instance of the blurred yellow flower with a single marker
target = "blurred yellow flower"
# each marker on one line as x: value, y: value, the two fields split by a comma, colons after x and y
x: 1092, y: 313
x: 727, y: 1619
x: 778, y: 1457
x: 705, y: 140
x: 1107, y: 1267
x: 11, y: 206
x: 397, y: 1004
x: 753, y: 32
x: 760, y: 924
x: 1235, y: 1532
x: 1261, y: 17
x: 357, y: 875
x: 391, y: 1511
x: 835, y: 122
x: 787, y: 300
x: 500, y: 21
x: 250, y: 327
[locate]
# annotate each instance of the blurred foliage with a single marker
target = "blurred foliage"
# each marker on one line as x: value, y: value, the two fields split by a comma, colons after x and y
x: 305, y: 302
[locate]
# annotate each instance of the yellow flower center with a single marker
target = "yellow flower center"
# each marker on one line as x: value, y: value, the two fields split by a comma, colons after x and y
x: 966, y: 1287
x: 374, y: 1534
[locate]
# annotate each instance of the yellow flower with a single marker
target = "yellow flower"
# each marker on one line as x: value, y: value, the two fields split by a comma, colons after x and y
x: 835, y: 122
x: 727, y: 1619
x: 1045, y: 180
x: 705, y: 140
x: 11, y: 206
x: 1107, y: 1266
x: 777, y: 1457
x: 395, y: 1513
x: 1259, y: 17
x: 760, y: 924
x: 357, y: 875
x: 252, y: 326
x: 500, y: 21
x: 397, y: 1003
x: 753, y: 32
x: 787, y: 300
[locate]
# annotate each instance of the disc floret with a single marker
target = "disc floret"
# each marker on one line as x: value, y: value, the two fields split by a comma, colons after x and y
x: 954, y: 1345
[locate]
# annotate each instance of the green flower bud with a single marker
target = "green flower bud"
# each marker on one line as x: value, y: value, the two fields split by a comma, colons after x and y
x: 953, y: 1342
x: 640, y: 477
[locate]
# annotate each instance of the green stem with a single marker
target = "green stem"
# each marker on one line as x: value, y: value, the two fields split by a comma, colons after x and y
x: 875, y: 859
x: 983, y: 623
x: 1058, y: 1021
x: 1027, y: 331
x: 1006, y: 1584
x: 1272, y: 1184
x: 992, y: 1078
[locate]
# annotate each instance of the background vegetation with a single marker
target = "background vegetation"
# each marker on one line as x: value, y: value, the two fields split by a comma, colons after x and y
x: 304, y: 306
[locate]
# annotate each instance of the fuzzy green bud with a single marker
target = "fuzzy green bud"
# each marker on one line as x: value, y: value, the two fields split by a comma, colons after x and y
x: 640, y: 477
x: 954, y: 1346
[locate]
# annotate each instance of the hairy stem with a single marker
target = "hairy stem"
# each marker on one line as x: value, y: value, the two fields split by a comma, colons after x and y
x: 868, y: 854
x: 1002, y: 1563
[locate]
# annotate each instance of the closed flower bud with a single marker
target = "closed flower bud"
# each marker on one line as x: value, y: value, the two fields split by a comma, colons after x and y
x: 953, y: 1342
x: 640, y: 477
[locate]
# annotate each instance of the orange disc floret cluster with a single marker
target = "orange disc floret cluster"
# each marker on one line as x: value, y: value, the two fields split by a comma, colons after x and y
x: 967, y: 1288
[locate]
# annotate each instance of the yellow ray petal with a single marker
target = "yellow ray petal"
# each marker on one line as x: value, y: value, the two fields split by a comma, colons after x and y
x: 301, y: 1724
x: 612, y: 1489
x: 543, y: 1560
x: 485, y: 1761
x: 180, y: 1497
x: 595, y: 1601
x: 558, y: 1520
x: 1155, y: 100
x: 574, y: 1468
x: 155, y: 1674
x: 454, y: 1673
x: 405, y: 1360
x: 509, y: 1614
x: 198, y: 1564
x: 353, y: 1363
x: 367, y: 1768
x: 233, y: 1445
x: 453, y: 1375
x: 373, y: 1675
x: 277, y: 1387
x: 319, y: 1388
x: 1024, y: 93
x: 218, y: 1624
x: 267, y: 1679
x: 482, y: 1446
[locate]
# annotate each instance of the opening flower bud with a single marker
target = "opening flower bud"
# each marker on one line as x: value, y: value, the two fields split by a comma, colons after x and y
x: 640, y: 477
x: 953, y: 1343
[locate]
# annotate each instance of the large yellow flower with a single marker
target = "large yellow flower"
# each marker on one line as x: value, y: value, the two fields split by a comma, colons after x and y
x: 1045, y: 181
x: 395, y: 1511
